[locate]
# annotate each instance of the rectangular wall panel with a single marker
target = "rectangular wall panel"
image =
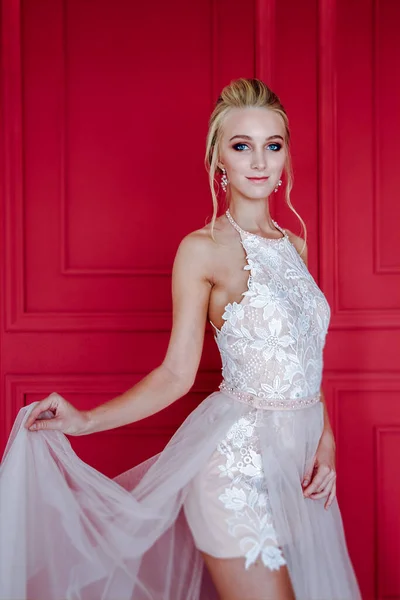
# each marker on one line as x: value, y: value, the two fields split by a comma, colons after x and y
x: 366, y: 418
x: 359, y: 174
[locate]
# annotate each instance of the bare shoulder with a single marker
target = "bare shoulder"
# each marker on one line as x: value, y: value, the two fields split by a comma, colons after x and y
x: 206, y: 252
x: 298, y: 243
x: 198, y: 241
x: 196, y: 253
x: 196, y: 246
x: 202, y: 244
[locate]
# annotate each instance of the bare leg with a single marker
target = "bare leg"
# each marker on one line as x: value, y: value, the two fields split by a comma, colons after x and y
x: 258, y: 582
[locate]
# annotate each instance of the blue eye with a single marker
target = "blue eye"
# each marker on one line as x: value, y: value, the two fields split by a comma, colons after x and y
x: 277, y: 147
x: 239, y: 149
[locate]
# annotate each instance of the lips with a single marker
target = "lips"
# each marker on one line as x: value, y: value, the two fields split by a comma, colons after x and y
x: 257, y: 178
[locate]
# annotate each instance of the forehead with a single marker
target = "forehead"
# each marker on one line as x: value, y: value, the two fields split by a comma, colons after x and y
x: 255, y: 122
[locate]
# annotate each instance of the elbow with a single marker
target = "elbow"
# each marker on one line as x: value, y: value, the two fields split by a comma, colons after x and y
x: 184, y: 384
x: 182, y: 381
x: 187, y: 384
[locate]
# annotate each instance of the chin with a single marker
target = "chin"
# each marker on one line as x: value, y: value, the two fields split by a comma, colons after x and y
x: 263, y: 192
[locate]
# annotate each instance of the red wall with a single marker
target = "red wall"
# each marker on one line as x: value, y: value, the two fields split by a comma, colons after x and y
x: 105, y: 110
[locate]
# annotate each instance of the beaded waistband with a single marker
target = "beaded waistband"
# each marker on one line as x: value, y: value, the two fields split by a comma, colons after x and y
x: 266, y: 404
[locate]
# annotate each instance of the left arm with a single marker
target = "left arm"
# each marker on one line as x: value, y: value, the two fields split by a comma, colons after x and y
x: 320, y: 478
x: 327, y: 425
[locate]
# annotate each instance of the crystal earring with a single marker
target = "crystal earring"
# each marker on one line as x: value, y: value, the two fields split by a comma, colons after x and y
x: 224, y: 179
x: 278, y: 184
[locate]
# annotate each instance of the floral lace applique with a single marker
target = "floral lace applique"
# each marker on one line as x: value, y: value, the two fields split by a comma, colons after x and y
x: 271, y: 343
x: 246, y: 496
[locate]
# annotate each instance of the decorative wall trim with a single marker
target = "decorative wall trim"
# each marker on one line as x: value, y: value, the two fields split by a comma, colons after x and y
x: 381, y: 434
x: 379, y: 267
x: 337, y: 383
x: 65, y: 269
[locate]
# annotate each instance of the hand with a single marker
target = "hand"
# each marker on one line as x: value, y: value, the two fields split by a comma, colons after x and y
x: 322, y: 472
x: 65, y: 418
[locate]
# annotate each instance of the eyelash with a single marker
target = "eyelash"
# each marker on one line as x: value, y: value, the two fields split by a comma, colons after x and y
x: 243, y: 144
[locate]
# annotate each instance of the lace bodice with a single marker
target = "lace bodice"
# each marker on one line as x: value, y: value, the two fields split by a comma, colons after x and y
x: 271, y: 342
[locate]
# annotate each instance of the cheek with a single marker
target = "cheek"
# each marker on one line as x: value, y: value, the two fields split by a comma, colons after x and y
x: 238, y: 163
x: 279, y: 160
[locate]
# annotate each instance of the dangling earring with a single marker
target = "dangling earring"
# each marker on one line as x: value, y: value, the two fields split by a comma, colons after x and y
x: 278, y: 184
x: 224, y: 179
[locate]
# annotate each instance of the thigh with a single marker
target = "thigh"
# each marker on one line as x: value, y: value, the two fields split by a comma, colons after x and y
x: 258, y: 582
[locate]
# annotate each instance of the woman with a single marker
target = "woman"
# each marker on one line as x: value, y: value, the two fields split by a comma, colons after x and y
x: 247, y: 485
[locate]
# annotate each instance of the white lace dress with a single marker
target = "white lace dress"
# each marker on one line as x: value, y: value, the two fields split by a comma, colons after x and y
x: 271, y: 348
x: 228, y: 483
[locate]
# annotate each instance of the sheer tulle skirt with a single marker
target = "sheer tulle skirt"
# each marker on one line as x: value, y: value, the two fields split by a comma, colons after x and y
x: 69, y: 532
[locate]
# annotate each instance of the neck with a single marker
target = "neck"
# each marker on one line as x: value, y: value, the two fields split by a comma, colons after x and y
x: 253, y: 215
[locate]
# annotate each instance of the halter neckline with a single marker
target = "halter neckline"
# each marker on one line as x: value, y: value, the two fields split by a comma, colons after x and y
x: 243, y: 231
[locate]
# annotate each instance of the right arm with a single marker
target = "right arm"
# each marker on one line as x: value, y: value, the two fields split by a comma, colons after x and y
x: 173, y: 378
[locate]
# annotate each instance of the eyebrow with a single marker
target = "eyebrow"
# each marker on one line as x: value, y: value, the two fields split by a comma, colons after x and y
x: 247, y: 137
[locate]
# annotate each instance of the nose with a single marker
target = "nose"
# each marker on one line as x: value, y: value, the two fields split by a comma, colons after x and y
x: 258, y: 160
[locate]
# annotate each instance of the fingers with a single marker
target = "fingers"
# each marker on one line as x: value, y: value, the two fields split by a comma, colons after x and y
x: 42, y: 406
x: 325, y: 491
x: 331, y: 475
x: 49, y: 403
x: 308, y: 474
x: 332, y: 496
x: 328, y: 489
x: 48, y: 424
x: 322, y: 476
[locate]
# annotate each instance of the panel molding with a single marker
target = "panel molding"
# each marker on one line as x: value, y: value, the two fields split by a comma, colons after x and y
x: 338, y: 383
x: 13, y: 170
x: 379, y: 267
x: 342, y: 319
x: 381, y: 433
x: 65, y: 269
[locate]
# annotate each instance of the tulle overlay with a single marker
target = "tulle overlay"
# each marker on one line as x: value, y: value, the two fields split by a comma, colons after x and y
x: 69, y: 532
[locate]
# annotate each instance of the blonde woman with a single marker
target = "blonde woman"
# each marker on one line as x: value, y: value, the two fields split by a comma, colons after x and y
x: 241, y: 503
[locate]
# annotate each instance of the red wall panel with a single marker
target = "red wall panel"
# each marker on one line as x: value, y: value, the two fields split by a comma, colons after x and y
x: 366, y: 417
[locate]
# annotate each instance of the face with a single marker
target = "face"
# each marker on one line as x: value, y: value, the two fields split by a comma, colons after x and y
x: 253, y: 151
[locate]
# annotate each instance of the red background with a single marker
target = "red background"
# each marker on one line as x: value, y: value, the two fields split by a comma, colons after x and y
x: 105, y: 110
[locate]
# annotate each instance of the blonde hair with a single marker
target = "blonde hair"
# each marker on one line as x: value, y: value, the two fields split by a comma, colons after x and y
x: 245, y: 93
